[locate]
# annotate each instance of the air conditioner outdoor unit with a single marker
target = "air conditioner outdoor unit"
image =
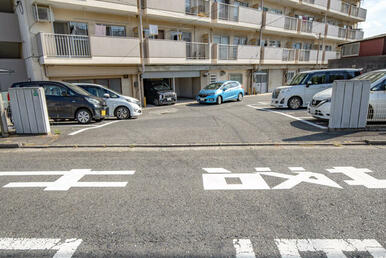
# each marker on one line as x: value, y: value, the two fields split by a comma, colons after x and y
x: 42, y: 13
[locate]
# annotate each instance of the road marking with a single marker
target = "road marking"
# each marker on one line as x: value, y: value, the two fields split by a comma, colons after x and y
x: 94, y: 127
x: 290, y: 116
x: 216, y: 170
x: 67, y: 180
x: 64, y: 249
x: 359, y: 176
x: 244, y: 248
x: 291, y: 248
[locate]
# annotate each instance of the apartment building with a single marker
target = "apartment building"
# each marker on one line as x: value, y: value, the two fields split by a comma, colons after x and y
x: 185, y: 43
x: 12, y: 66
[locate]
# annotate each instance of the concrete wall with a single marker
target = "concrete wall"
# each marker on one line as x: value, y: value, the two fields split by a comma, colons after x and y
x: 249, y: 15
x: 367, y: 63
x: 113, y: 47
x: 18, y: 72
x: 169, y: 5
x: 9, y: 27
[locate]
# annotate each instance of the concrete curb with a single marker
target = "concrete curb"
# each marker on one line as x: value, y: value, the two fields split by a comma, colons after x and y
x: 10, y: 145
x: 376, y: 142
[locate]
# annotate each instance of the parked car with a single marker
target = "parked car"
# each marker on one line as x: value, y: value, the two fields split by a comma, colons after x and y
x: 321, y: 102
x: 119, y: 106
x: 305, y: 85
x: 68, y: 101
x: 219, y: 92
x: 159, y: 93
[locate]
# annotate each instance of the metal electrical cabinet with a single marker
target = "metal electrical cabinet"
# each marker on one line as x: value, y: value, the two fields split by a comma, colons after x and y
x: 29, y: 110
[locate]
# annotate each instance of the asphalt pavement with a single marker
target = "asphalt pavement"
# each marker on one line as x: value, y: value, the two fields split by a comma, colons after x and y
x: 249, y: 121
x: 183, y: 202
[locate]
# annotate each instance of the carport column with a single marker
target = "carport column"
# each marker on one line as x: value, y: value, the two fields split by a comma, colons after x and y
x: 3, y: 120
x: 174, y: 84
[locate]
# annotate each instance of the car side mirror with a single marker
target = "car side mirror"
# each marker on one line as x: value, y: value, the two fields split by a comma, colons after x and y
x: 308, y: 84
x: 224, y: 89
x: 106, y: 95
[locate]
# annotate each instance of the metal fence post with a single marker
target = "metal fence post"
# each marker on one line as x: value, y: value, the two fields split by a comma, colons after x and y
x: 3, y: 120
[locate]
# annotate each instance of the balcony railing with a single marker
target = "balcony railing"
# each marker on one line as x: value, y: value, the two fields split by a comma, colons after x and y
x: 342, y: 33
x: 306, y: 26
x: 288, y: 55
x: 127, y: 2
x: 318, y: 3
x: 331, y: 55
x: 196, y: 50
x: 197, y: 7
x: 304, y: 55
x: 290, y: 23
x: 345, y: 8
x: 227, y: 52
x: 355, y: 34
x: 61, y: 45
x: 228, y: 12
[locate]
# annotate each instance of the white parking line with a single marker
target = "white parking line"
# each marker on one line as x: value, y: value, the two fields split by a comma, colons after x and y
x: 290, y: 116
x: 244, y: 248
x: 94, y: 127
x: 65, y: 249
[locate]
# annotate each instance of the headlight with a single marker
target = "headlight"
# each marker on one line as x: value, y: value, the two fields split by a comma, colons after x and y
x: 134, y: 101
x: 94, y: 102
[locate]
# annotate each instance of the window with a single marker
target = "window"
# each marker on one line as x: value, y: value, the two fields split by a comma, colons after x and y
x: 239, y: 40
x: 236, y: 77
x: 328, y: 48
x: 318, y: 78
x: 336, y: 75
x: 112, y: 83
x: 289, y: 76
x: 10, y: 50
x: 110, y: 30
x: 380, y: 87
x: 55, y: 90
x: 351, y: 49
x: 274, y: 43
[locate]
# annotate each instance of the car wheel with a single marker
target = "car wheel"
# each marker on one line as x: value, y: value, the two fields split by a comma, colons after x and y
x: 122, y: 113
x: 240, y: 97
x: 294, y: 103
x: 83, y: 116
x: 156, y: 102
x: 370, y: 114
x: 219, y: 100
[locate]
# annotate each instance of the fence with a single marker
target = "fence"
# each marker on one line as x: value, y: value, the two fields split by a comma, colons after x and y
x: 197, y: 50
x: 290, y: 23
x: 61, y: 45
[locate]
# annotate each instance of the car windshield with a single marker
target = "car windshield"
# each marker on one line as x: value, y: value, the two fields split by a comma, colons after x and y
x: 214, y: 86
x: 77, y: 89
x: 298, y: 79
x: 161, y: 87
x: 371, y: 76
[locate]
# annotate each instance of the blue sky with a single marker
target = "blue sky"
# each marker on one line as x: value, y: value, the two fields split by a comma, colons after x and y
x: 376, y: 17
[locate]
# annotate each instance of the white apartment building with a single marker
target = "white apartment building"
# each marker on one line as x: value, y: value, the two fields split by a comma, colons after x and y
x: 187, y: 43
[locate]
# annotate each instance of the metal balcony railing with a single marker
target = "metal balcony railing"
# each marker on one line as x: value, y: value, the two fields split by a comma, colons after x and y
x: 288, y: 54
x: 227, y: 52
x: 197, y: 7
x: 62, y: 45
x: 342, y: 33
x: 228, y: 12
x: 196, y: 50
x: 306, y: 26
x: 290, y: 23
x: 345, y: 8
x: 304, y: 55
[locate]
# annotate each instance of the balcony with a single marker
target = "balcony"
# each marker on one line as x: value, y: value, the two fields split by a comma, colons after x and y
x: 240, y: 17
x: 290, y: 56
x: 160, y: 51
x: 354, y: 34
x: 114, y: 6
x: 86, y: 50
x: 308, y: 56
x: 348, y: 11
x: 318, y: 4
x: 239, y: 54
x: 174, y: 10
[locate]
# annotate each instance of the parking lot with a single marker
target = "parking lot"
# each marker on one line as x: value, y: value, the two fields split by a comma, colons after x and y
x: 249, y: 121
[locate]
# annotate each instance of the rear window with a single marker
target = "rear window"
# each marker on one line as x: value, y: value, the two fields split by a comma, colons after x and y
x: 371, y: 76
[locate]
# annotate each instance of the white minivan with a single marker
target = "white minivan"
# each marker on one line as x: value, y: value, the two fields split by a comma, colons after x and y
x: 306, y: 84
x: 119, y: 106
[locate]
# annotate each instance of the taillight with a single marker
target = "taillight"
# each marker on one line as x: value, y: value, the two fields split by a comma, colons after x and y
x: 9, y: 99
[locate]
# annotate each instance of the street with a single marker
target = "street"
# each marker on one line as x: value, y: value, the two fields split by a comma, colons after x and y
x: 164, y: 210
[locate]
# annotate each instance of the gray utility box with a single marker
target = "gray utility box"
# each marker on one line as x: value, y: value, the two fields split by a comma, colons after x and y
x: 29, y: 110
x: 349, y: 104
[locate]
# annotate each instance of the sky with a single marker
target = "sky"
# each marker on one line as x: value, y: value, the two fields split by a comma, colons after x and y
x: 376, y: 17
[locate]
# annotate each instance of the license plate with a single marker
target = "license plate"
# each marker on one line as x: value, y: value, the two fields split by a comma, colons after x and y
x: 169, y: 99
x: 103, y: 112
x: 202, y: 99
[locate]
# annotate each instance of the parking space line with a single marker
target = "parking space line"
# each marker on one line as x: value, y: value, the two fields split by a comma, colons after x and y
x: 244, y: 248
x: 290, y: 116
x: 95, y: 127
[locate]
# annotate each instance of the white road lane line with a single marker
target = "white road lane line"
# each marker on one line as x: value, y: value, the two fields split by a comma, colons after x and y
x: 244, y: 248
x: 64, y: 249
x: 293, y: 117
x: 90, y: 128
x: 216, y: 170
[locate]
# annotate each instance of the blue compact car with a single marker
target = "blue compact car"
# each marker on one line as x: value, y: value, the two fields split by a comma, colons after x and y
x: 219, y: 92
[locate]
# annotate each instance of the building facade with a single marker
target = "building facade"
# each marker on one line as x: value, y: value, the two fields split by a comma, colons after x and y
x: 127, y: 44
x: 12, y: 65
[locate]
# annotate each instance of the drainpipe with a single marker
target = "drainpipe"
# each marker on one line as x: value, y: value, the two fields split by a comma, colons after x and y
x: 142, y: 86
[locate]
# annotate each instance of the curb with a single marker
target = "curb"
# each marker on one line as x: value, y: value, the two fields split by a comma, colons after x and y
x: 376, y: 142
x: 10, y: 145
